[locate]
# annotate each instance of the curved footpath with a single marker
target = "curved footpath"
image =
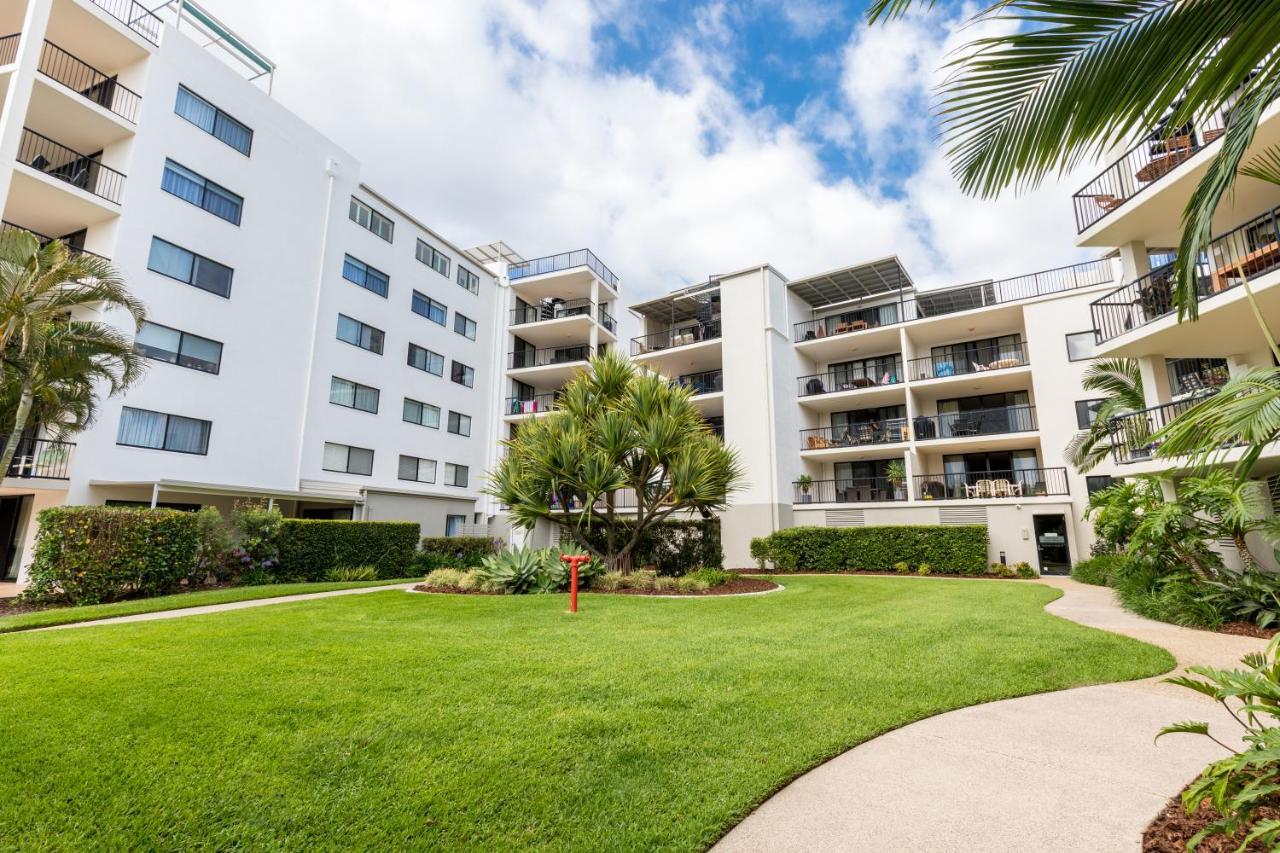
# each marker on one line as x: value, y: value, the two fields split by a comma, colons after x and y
x: 1074, y: 770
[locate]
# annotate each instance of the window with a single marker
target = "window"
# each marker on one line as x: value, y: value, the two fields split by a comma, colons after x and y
x: 459, y: 424
x: 203, y: 193
x: 468, y: 279
x: 1097, y: 483
x: 358, y: 272
x: 462, y: 374
x: 424, y: 359
x: 1080, y: 345
x: 456, y: 475
x: 348, y: 460
x: 464, y: 325
x: 418, y: 470
x: 159, y: 431
x: 1087, y: 412
x: 366, y: 217
x: 434, y: 311
x: 162, y: 343
x: 360, y: 334
x: 353, y: 395
x: 213, y: 121
x: 422, y: 414
x: 189, y: 268
x: 433, y: 258
x: 453, y: 524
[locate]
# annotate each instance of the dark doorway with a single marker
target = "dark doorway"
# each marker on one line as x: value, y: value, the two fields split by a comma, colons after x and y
x: 10, y: 516
x: 1051, y: 542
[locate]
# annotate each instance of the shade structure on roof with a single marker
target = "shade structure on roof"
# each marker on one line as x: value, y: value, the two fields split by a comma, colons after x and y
x: 851, y: 284
x: 699, y: 302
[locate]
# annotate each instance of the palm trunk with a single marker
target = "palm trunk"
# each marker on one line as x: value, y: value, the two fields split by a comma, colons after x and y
x: 1247, y: 561
x: 25, y: 401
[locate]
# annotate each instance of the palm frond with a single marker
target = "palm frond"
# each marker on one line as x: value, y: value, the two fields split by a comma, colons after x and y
x: 1264, y: 166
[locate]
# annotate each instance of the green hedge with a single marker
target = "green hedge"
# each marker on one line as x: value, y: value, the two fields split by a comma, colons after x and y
x: 948, y: 549
x: 454, y: 552
x: 310, y: 548
x: 92, y: 554
x: 675, y: 547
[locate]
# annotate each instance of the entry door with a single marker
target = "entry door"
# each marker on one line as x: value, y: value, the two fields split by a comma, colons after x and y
x: 10, y: 513
x: 1051, y: 542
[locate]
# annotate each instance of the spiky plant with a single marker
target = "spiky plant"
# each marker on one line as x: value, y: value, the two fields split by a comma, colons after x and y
x: 1119, y: 380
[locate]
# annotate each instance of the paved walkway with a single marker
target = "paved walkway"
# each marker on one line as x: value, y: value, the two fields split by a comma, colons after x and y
x: 1074, y: 770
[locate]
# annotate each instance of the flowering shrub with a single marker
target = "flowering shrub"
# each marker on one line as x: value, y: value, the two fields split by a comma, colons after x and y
x: 257, y: 550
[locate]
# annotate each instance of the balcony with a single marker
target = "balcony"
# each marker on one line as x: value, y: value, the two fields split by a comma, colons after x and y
x: 606, y: 320
x: 557, y: 309
x: 64, y: 164
x: 135, y: 16
x: 848, y: 379
x: 87, y: 81
x: 1131, y: 434
x: 1001, y: 421
x: 992, y: 485
x: 45, y: 239
x: 853, y: 490
x: 678, y: 337
x: 891, y: 431
x: 9, y: 48
x: 706, y: 382
x: 560, y: 263
x: 549, y: 356
x: 537, y: 404
x: 40, y: 459
x: 980, y: 360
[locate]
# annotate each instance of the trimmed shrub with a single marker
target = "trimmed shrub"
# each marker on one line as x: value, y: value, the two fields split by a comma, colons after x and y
x: 712, y: 577
x: 1101, y: 570
x: 311, y: 548
x: 461, y: 551
x: 674, y: 548
x: 946, y: 549
x: 92, y: 554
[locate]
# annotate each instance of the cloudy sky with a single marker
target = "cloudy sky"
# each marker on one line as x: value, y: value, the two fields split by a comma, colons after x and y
x: 675, y: 139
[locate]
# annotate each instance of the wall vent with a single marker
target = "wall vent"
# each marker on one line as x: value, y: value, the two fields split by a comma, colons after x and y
x: 1273, y: 488
x: 845, y: 518
x: 962, y: 515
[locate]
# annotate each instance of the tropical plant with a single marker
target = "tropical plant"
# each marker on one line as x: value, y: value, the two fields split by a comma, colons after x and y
x: 804, y: 481
x: 1117, y: 510
x: 1244, y: 413
x: 1230, y: 508
x: 1119, y: 380
x: 1250, y: 596
x: 1099, y: 570
x: 617, y: 433
x: 896, y: 472
x: 515, y: 571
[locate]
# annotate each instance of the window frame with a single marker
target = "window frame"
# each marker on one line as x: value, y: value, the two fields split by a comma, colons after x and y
x: 208, y: 432
x: 382, y: 341
x: 1089, y: 488
x: 1093, y: 344
x: 422, y: 407
x: 347, y: 470
x: 466, y: 471
x: 458, y: 316
x: 204, y: 189
x: 467, y: 280
x: 457, y: 417
x: 182, y: 336
x: 218, y: 113
x: 1086, y: 409
x: 432, y: 256
x: 468, y: 370
x: 196, y: 258
x: 357, y: 205
x: 365, y: 269
x: 355, y: 390
x: 431, y: 304
x: 429, y: 352
x: 418, y: 460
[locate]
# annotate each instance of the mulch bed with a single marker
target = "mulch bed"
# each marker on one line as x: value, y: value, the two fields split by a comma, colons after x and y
x: 1246, y: 629
x: 1173, y: 827
x: 733, y: 587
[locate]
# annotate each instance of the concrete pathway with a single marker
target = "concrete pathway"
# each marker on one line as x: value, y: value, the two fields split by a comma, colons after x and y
x: 1074, y: 770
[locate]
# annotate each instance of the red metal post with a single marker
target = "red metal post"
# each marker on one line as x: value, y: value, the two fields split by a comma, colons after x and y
x: 574, y: 560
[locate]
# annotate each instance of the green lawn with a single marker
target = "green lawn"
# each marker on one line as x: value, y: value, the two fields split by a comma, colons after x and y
x: 400, y: 721
x: 69, y: 615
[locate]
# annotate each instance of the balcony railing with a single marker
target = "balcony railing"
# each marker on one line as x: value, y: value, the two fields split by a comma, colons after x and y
x: 852, y: 490
x: 953, y: 300
x: 58, y: 161
x: 81, y: 77
x: 1131, y: 434
x: 849, y: 379
x: 38, y: 458
x: 891, y: 431
x: 552, y: 310
x: 531, y: 405
x: 979, y: 360
x: 549, y: 356
x: 135, y: 16
x: 45, y: 239
x: 1250, y: 250
x: 9, y: 48
x: 677, y: 337
x: 607, y: 321
x: 997, y: 421
x: 564, y: 261
x: 1141, y: 166
x: 1196, y: 375
x: 976, y: 485
x: 707, y: 382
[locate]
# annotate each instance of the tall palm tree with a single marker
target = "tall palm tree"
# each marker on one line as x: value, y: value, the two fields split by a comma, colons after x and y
x: 1120, y: 381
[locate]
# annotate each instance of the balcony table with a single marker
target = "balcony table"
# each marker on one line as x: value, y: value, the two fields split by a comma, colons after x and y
x: 1259, y: 259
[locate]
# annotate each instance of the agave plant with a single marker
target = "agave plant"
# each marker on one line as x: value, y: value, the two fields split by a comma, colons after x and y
x: 516, y: 571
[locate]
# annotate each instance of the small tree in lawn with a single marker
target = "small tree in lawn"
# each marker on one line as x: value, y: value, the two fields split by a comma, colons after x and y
x: 617, y: 432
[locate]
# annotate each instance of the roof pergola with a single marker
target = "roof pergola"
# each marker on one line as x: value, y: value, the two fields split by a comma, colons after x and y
x: 853, y: 284
x: 491, y: 253
x: 679, y: 306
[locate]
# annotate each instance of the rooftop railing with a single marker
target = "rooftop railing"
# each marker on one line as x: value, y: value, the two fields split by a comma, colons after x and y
x: 891, y: 431
x: 849, y: 379
x: 536, y: 404
x: 977, y: 360
x: 89, y: 82
x: 38, y: 458
x: 992, y: 485
x: 998, y: 421
x: 549, y: 356
x: 45, y: 239
x: 706, y: 382
x: 1132, y: 434
x: 851, y: 490
x: 135, y: 16
x: 70, y: 166
x: 678, y: 337
x: 561, y: 262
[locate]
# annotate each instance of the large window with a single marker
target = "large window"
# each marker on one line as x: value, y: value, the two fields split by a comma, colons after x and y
x: 970, y: 356
x: 462, y: 374
x: 366, y: 217
x: 456, y: 475
x: 213, y: 121
x: 464, y: 325
x: 1080, y: 345
x: 189, y: 268
x: 203, y: 193
x: 360, y: 334
x: 173, y: 346
x: 422, y: 414
x: 418, y: 470
x: 434, y: 311
x: 358, y: 272
x: 160, y: 431
x: 424, y: 359
x: 1087, y: 412
x: 353, y: 395
x: 348, y: 460
x: 468, y: 279
x: 454, y: 524
x: 433, y: 257
x: 459, y: 424
x: 1098, y: 482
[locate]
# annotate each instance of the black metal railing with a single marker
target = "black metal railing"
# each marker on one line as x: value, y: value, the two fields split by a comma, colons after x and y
x: 850, y: 490
x: 607, y: 320
x: 45, y: 239
x: 849, y: 379
x: 952, y: 300
x: 552, y: 310
x: 1143, y: 165
x: 549, y: 355
x: 135, y: 16
x: 40, y: 458
x: 9, y: 48
x: 564, y: 261
x: 1196, y: 375
x: 977, y: 360
x: 976, y: 485
x: 1132, y: 434
x: 58, y: 161
x: 95, y: 86
x: 891, y: 431
x: 706, y: 382
x: 677, y: 337
x: 996, y: 421
x: 531, y: 405
x: 1251, y: 249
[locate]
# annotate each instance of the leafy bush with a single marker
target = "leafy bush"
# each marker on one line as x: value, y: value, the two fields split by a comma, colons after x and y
x: 947, y: 549
x: 691, y: 583
x: 256, y: 555
x: 712, y: 577
x: 664, y: 583
x: 1250, y: 596
x: 444, y: 579
x: 353, y: 573
x: 924, y: 569
x: 309, y: 548
x: 461, y: 551
x: 1025, y: 571
x: 672, y: 547
x: 1177, y: 597
x: 902, y: 567
x: 214, y: 546
x: 92, y: 554
x: 643, y: 579
x: 1100, y: 570
x: 610, y: 582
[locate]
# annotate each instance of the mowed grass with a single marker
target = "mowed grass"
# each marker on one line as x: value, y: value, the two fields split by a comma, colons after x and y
x: 88, y: 613
x: 394, y: 720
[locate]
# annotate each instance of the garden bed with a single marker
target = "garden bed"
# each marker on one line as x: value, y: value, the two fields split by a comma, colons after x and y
x: 867, y: 573
x: 737, y: 586
x: 1246, y: 629
x: 1173, y: 827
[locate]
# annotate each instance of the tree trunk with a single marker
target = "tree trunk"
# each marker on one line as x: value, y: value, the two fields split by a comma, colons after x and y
x: 15, y: 434
x: 1247, y: 561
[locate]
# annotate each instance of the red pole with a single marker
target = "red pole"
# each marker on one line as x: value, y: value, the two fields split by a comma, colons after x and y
x: 574, y: 560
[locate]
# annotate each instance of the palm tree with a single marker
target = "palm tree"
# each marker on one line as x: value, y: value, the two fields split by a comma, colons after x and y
x: 1231, y: 509
x: 50, y: 362
x: 618, y: 437
x: 1120, y: 381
